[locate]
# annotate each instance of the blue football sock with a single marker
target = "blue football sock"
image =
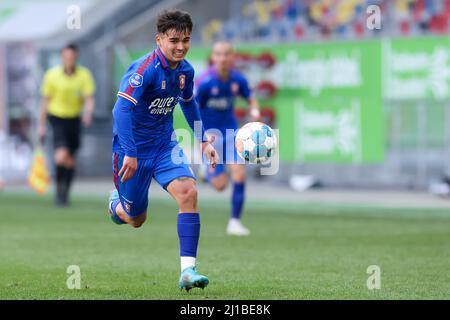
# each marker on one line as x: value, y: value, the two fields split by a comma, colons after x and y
x: 237, y: 199
x: 114, y: 217
x: 188, y: 233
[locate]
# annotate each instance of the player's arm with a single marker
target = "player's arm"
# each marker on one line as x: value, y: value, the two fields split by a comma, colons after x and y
x: 42, y: 127
x: 88, y: 112
x: 123, y: 120
x: 192, y: 115
x: 200, y: 94
x: 89, y: 102
x: 191, y: 112
x: 131, y: 89
x: 253, y: 105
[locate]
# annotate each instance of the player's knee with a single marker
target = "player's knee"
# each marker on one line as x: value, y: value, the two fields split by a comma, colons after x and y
x: 70, y: 161
x: 220, y: 184
x: 62, y: 156
x: 139, y: 220
x: 188, y: 195
x: 137, y: 224
x: 221, y: 187
x: 239, y: 175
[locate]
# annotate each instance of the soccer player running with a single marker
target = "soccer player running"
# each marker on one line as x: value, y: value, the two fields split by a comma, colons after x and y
x: 143, y: 147
x: 65, y: 90
x: 215, y: 93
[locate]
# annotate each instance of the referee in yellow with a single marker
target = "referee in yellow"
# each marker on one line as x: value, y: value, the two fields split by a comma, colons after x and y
x: 67, y: 101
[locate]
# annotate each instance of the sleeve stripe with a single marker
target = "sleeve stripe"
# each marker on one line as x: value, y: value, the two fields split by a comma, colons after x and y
x: 187, y: 100
x: 128, y: 97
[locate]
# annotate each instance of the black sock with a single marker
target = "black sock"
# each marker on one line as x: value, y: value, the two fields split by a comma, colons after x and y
x: 60, y: 184
x: 68, y: 178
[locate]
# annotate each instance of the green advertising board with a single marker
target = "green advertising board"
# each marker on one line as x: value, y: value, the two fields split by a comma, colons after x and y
x: 417, y: 68
x: 328, y: 105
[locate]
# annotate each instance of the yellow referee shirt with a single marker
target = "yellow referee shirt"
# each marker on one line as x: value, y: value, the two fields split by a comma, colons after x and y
x: 66, y: 93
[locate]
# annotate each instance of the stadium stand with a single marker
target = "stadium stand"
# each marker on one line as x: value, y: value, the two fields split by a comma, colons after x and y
x: 294, y: 20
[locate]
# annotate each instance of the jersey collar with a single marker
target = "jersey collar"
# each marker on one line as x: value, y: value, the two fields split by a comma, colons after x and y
x: 161, y: 58
x: 75, y: 69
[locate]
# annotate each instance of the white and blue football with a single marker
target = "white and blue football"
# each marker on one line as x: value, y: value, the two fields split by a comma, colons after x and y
x: 256, y: 142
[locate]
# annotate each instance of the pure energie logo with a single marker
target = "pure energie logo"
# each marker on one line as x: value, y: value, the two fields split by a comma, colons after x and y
x: 163, y: 105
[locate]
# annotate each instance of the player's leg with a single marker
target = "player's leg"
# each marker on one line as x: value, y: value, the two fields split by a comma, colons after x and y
x: 184, y: 191
x: 61, y: 158
x: 237, y: 173
x: 73, y: 141
x: 235, y: 226
x: 128, y: 203
x: 65, y: 170
x: 65, y: 141
x: 179, y: 180
x: 217, y: 177
x: 120, y: 216
x: 60, y: 154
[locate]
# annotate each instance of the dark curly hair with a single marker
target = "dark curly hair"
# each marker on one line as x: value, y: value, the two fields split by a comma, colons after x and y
x: 174, y: 19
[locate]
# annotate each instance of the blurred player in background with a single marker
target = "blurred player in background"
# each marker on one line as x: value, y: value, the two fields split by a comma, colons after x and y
x: 65, y: 90
x: 142, y: 138
x: 215, y: 93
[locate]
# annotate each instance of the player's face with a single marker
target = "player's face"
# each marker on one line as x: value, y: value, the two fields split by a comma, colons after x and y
x: 174, y: 45
x: 222, y: 56
x: 69, y: 58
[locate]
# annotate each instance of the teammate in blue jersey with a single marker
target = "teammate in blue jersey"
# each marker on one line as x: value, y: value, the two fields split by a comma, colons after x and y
x: 216, y: 91
x: 143, y: 147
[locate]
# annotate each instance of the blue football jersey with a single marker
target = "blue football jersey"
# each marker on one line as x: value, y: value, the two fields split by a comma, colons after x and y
x: 216, y: 98
x: 150, y: 90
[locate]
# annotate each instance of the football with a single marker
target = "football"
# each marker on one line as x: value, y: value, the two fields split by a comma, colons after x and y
x: 256, y: 142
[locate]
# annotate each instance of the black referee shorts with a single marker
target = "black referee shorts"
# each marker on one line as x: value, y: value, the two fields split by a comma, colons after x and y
x: 66, y: 133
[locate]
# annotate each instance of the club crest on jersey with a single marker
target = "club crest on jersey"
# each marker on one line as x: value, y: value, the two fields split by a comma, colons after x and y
x: 182, y: 79
x: 163, y: 85
x: 215, y: 91
x: 136, y: 80
x: 234, y: 88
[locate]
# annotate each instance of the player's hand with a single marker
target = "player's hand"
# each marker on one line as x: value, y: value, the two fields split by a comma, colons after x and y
x: 209, y: 152
x: 129, y: 166
x: 87, y: 119
x: 255, y: 114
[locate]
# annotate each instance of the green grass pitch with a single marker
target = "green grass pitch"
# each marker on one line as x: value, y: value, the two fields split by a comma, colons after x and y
x: 294, y: 252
